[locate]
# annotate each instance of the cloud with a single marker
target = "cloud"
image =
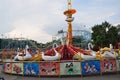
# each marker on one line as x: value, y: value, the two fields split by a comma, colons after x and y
x: 92, y: 17
x: 41, y: 19
x: 32, y: 17
x: 95, y: 13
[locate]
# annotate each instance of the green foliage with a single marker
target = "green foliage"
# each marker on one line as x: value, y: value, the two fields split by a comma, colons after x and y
x: 100, y: 36
x: 0, y: 43
x: 15, y: 43
x: 80, y: 41
x: 105, y: 34
x: 118, y: 26
x: 77, y: 41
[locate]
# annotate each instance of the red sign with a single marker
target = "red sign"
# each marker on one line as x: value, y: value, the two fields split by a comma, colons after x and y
x: 49, y: 68
x: 108, y: 65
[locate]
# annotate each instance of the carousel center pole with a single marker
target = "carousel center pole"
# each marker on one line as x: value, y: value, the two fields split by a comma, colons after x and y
x: 69, y: 20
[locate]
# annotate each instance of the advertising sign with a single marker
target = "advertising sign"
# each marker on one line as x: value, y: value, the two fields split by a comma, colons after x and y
x: 17, y: 68
x: 90, y: 67
x: 70, y: 68
x: 7, y: 67
x: 31, y: 68
x: 108, y: 65
x: 118, y: 64
x: 49, y: 68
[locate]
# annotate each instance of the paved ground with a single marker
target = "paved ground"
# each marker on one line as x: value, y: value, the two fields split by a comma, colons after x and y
x: 115, y: 76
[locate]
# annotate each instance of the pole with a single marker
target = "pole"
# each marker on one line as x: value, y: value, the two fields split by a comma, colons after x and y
x: 70, y: 33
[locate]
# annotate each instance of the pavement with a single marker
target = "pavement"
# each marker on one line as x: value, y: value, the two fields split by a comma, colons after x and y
x: 115, y: 76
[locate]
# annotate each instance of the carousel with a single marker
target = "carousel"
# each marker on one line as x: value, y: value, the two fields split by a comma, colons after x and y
x: 64, y: 59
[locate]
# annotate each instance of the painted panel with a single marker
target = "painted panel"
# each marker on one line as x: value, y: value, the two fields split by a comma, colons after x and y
x: 118, y: 64
x: 90, y: 67
x: 70, y: 68
x: 108, y: 65
x: 31, y: 68
x: 17, y: 68
x: 7, y: 67
x: 49, y: 68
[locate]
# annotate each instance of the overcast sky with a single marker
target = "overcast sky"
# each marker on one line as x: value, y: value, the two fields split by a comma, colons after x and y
x: 41, y: 19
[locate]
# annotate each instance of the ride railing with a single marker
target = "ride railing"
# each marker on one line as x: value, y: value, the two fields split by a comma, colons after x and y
x: 62, y: 68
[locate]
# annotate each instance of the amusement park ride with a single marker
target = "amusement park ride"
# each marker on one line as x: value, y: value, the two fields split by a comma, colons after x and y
x: 64, y: 52
x: 69, y: 19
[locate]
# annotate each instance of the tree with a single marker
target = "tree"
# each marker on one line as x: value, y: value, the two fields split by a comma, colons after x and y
x: 0, y: 43
x: 77, y: 41
x: 118, y: 26
x: 105, y: 34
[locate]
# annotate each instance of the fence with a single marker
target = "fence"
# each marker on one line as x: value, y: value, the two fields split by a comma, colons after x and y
x: 60, y: 68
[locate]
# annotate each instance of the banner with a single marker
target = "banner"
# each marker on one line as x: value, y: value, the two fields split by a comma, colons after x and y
x: 108, y: 65
x: 90, y: 67
x: 17, y: 68
x: 31, y: 68
x: 49, y: 68
x: 70, y: 68
x: 7, y: 67
x: 118, y: 64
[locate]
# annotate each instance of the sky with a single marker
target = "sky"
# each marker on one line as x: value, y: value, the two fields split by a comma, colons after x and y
x: 40, y: 20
